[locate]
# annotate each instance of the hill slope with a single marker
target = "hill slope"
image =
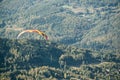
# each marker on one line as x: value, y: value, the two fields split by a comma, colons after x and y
x: 86, y: 24
x: 25, y: 58
x: 83, y: 39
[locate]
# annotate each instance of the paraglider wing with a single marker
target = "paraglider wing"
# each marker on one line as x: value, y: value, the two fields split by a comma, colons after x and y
x: 37, y: 31
x: 21, y: 34
x: 42, y: 33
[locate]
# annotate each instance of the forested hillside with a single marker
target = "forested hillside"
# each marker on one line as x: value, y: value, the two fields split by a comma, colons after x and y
x: 37, y: 59
x: 83, y: 39
x: 86, y: 24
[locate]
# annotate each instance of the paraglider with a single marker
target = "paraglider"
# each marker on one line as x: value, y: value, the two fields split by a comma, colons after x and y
x: 36, y: 31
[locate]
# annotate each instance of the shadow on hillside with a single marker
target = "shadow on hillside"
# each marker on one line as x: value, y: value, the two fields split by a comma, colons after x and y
x: 25, y: 53
x: 1, y: 0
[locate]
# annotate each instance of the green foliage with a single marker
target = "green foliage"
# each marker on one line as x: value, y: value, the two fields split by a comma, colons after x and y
x: 84, y: 23
x: 37, y: 59
x: 83, y: 39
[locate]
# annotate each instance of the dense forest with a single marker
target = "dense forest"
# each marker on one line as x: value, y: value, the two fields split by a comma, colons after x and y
x: 36, y: 59
x: 83, y: 40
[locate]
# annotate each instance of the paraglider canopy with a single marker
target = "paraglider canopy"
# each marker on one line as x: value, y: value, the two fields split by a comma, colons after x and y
x: 36, y: 31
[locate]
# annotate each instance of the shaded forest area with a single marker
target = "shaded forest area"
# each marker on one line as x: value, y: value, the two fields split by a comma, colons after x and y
x: 37, y: 59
